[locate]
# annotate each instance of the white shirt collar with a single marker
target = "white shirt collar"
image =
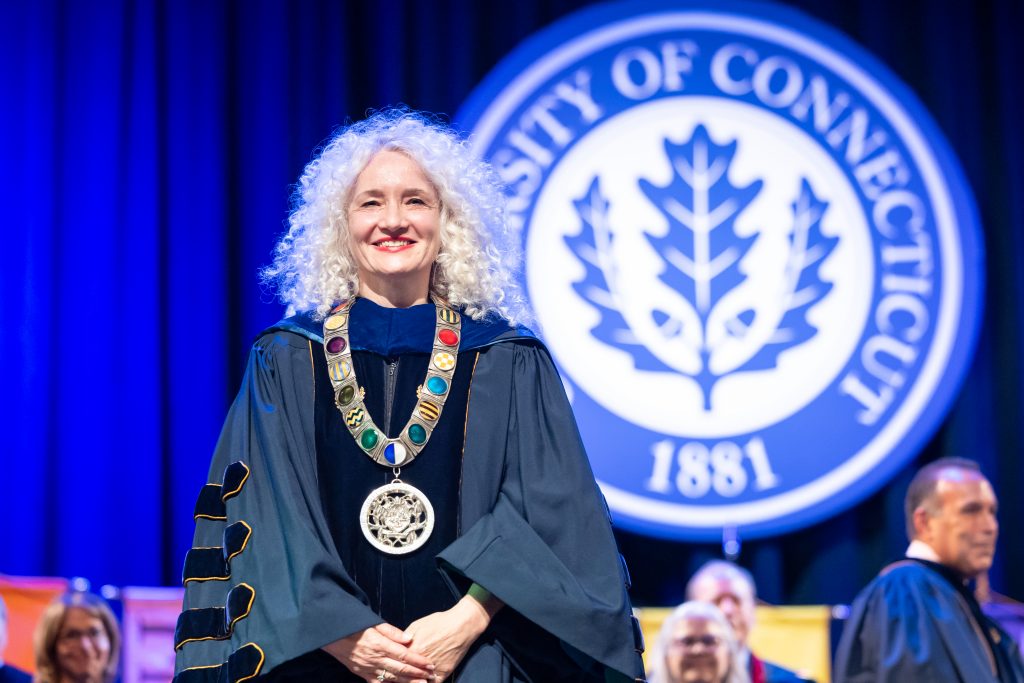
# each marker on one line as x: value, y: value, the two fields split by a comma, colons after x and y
x: 919, y: 550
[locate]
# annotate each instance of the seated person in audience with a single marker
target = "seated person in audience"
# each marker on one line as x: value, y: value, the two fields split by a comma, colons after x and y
x: 731, y: 588
x: 696, y: 645
x: 8, y: 673
x: 77, y: 641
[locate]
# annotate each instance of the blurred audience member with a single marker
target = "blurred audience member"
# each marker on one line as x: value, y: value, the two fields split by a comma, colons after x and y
x: 8, y: 673
x: 696, y: 645
x: 77, y: 641
x: 731, y: 588
x: 919, y: 620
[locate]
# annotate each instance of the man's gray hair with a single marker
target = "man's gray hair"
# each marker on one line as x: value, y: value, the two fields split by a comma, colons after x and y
x: 720, y: 569
x: 921, y: 491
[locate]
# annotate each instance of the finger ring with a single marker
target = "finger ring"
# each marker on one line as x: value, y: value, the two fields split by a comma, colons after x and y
x: 383, y: 675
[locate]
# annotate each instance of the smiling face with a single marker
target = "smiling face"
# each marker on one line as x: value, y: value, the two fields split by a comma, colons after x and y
x: 962, y: 527
x: 394, y: 222
x: 82, y: 648
x: 698, y: 652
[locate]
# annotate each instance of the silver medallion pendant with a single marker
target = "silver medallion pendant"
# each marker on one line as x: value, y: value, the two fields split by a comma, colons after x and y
x: 396, y: 518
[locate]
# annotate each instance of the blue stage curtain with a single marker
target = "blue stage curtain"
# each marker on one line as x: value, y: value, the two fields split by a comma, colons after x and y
x: 147, y: 153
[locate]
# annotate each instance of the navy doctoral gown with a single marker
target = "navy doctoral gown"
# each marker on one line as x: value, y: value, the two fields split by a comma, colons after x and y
x: 919, y: 623
x: 266, y: 583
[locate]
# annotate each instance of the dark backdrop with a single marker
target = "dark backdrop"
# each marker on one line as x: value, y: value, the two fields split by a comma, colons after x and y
x: 147, y: 150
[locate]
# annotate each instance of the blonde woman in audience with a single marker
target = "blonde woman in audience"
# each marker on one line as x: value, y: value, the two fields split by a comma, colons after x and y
x: 77, y: 641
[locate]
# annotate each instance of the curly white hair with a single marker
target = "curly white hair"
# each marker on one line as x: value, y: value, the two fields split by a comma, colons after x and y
x: 313, y: 267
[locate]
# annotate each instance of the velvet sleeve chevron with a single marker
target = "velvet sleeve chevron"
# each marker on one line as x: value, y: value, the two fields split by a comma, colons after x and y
x: 263, y: 583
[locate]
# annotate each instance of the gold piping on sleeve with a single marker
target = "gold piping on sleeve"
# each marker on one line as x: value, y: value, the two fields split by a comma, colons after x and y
x: 256, y: 672
x: 231, y: 494
x: 245, y: 543
x: 230, y: 626
x: 215, y: 518
x: 259, y: 664
x: 248, y: 535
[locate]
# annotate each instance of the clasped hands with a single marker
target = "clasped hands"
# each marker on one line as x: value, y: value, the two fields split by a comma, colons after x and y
x: 426, y: 652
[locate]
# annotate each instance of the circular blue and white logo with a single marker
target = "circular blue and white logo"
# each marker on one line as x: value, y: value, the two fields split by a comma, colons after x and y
x: 750, y: 251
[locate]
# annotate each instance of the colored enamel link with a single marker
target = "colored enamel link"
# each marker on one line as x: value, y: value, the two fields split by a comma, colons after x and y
x: 417, y: 433
x: 336, y: 344
x: 395, y: 453
x: 335, y: 322
x: 437, y: 386
x: 339, y: 371
x: 429, y: 411
x: 444, y: 361
x: 369, y: 439
x: 347, y: 393
x: 348, y: 396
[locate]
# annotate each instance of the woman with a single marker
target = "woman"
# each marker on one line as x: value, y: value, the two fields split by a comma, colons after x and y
x: 400, y: 492
x: 77, y: 641
x: 696, y: 645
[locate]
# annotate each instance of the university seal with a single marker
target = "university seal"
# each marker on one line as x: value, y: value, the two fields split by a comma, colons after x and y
x: 750, y: 251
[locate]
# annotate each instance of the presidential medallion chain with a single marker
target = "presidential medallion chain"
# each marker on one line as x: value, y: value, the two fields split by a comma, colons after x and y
x: 396, y: 518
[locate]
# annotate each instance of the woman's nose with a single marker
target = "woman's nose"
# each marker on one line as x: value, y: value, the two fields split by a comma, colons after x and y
x: 394, y: 216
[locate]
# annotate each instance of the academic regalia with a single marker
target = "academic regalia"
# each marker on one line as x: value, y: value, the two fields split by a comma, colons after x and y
x: 919, y: 622
x: 274, y: 575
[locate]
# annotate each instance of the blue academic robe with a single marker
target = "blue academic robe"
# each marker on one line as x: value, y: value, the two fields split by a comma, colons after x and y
x: 918, y: 622
x: 265, y: 583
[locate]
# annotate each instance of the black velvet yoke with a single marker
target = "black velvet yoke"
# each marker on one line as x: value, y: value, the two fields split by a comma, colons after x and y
x: 401, y: 588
